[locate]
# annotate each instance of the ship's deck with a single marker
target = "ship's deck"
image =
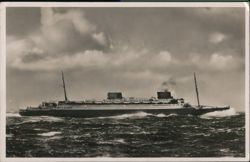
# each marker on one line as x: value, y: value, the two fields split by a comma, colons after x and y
x: 113, y: 107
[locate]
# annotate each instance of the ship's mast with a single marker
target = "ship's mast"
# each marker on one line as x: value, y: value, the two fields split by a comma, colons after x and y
x: 65, y: 94
x: 197, y: 92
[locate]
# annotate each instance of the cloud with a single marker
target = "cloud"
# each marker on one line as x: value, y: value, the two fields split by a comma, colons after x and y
x: 68, y: 35
x: 86, y: 59
x: 100, y: 38
x: 70, y: 31
x: 66, y: 39
x: 217, y: 37
x: 221, y: 62
x: 164, y: 56
x: 217, y: 61
x: 50, y: 18
x: 26, y: 55
x: 22, y: 49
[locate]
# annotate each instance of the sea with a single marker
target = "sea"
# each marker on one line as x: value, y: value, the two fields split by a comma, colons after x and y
x: 216, y: 134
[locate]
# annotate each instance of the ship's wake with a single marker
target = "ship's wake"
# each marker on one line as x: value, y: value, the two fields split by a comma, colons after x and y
x: 13, y: 114
x: 220, y: 114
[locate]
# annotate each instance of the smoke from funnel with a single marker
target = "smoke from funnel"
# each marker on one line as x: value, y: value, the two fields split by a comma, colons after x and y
x: 168, y: 85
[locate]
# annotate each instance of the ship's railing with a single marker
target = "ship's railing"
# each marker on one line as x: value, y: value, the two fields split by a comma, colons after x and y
x: 131, y: 101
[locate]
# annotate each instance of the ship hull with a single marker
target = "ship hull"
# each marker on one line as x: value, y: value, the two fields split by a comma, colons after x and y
x: 90, y: 113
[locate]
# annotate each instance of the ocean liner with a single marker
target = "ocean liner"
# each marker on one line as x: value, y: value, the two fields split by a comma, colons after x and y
x: 116, y: 104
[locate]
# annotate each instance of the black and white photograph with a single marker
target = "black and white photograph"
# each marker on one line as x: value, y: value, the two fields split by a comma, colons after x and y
x: 128, y: 81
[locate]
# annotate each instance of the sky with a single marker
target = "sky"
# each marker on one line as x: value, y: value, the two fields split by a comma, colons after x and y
x: 137, y: 51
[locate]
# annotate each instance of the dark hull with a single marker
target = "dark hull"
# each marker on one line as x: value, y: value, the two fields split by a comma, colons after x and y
x: 103, y: 113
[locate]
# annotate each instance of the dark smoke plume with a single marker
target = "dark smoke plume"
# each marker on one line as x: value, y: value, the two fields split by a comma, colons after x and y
x: 167, y: 85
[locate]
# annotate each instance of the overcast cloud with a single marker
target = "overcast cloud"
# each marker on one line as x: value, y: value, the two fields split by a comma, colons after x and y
x: 133, y: 50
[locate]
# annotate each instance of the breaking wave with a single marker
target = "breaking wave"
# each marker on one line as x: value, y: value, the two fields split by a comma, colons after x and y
x: 48, y: 134
x: 137, y: 115
x: 135, y: 135
x: 171, y: 115
x: 220, y: 114
x: 13, y: 115
x: 35, y: 119
x: 133, y: 115
x: 160, y: 115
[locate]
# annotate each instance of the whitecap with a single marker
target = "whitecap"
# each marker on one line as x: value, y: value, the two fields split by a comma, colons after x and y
x: 120, y: 140
x: 105, y: 142
x: 220, y: 114
x: 124, y: 116
x: 48, y: 134
x: 171, y: 115
x: 51, y: 118
x: 229, y: 130
x: 34, y: 119
x: 38, y: 129
x: 55, y: 137
x: 13, y: 115
x: 202, y: 134
x: 205, y: 117
x: 161, y: 115
x: 224, y: 150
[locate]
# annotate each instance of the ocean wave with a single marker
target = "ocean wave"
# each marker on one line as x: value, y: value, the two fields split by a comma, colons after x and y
x: 35, y: 119
x: 137, y: 115
x: 51, y: 118
x: 9, y: 135
x: 150, y: 136
x: 220, y: 114
x: 120, y: 140
x: 115, y: 141
x: 49, y: 134
x: 124, y: 116
x: 13, y: 115
x: 171, y: 115
x: 160, y: 115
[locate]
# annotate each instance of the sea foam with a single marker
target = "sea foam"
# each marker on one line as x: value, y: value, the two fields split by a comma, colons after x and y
x: 220, y: 114
x: 48, y: 134
x: 140, y: 114
x: 13, y: 115
x: 124, y: 116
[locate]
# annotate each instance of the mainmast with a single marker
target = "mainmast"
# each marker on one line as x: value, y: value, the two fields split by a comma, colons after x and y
x: 65, y: 94
x: 197, y: 92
